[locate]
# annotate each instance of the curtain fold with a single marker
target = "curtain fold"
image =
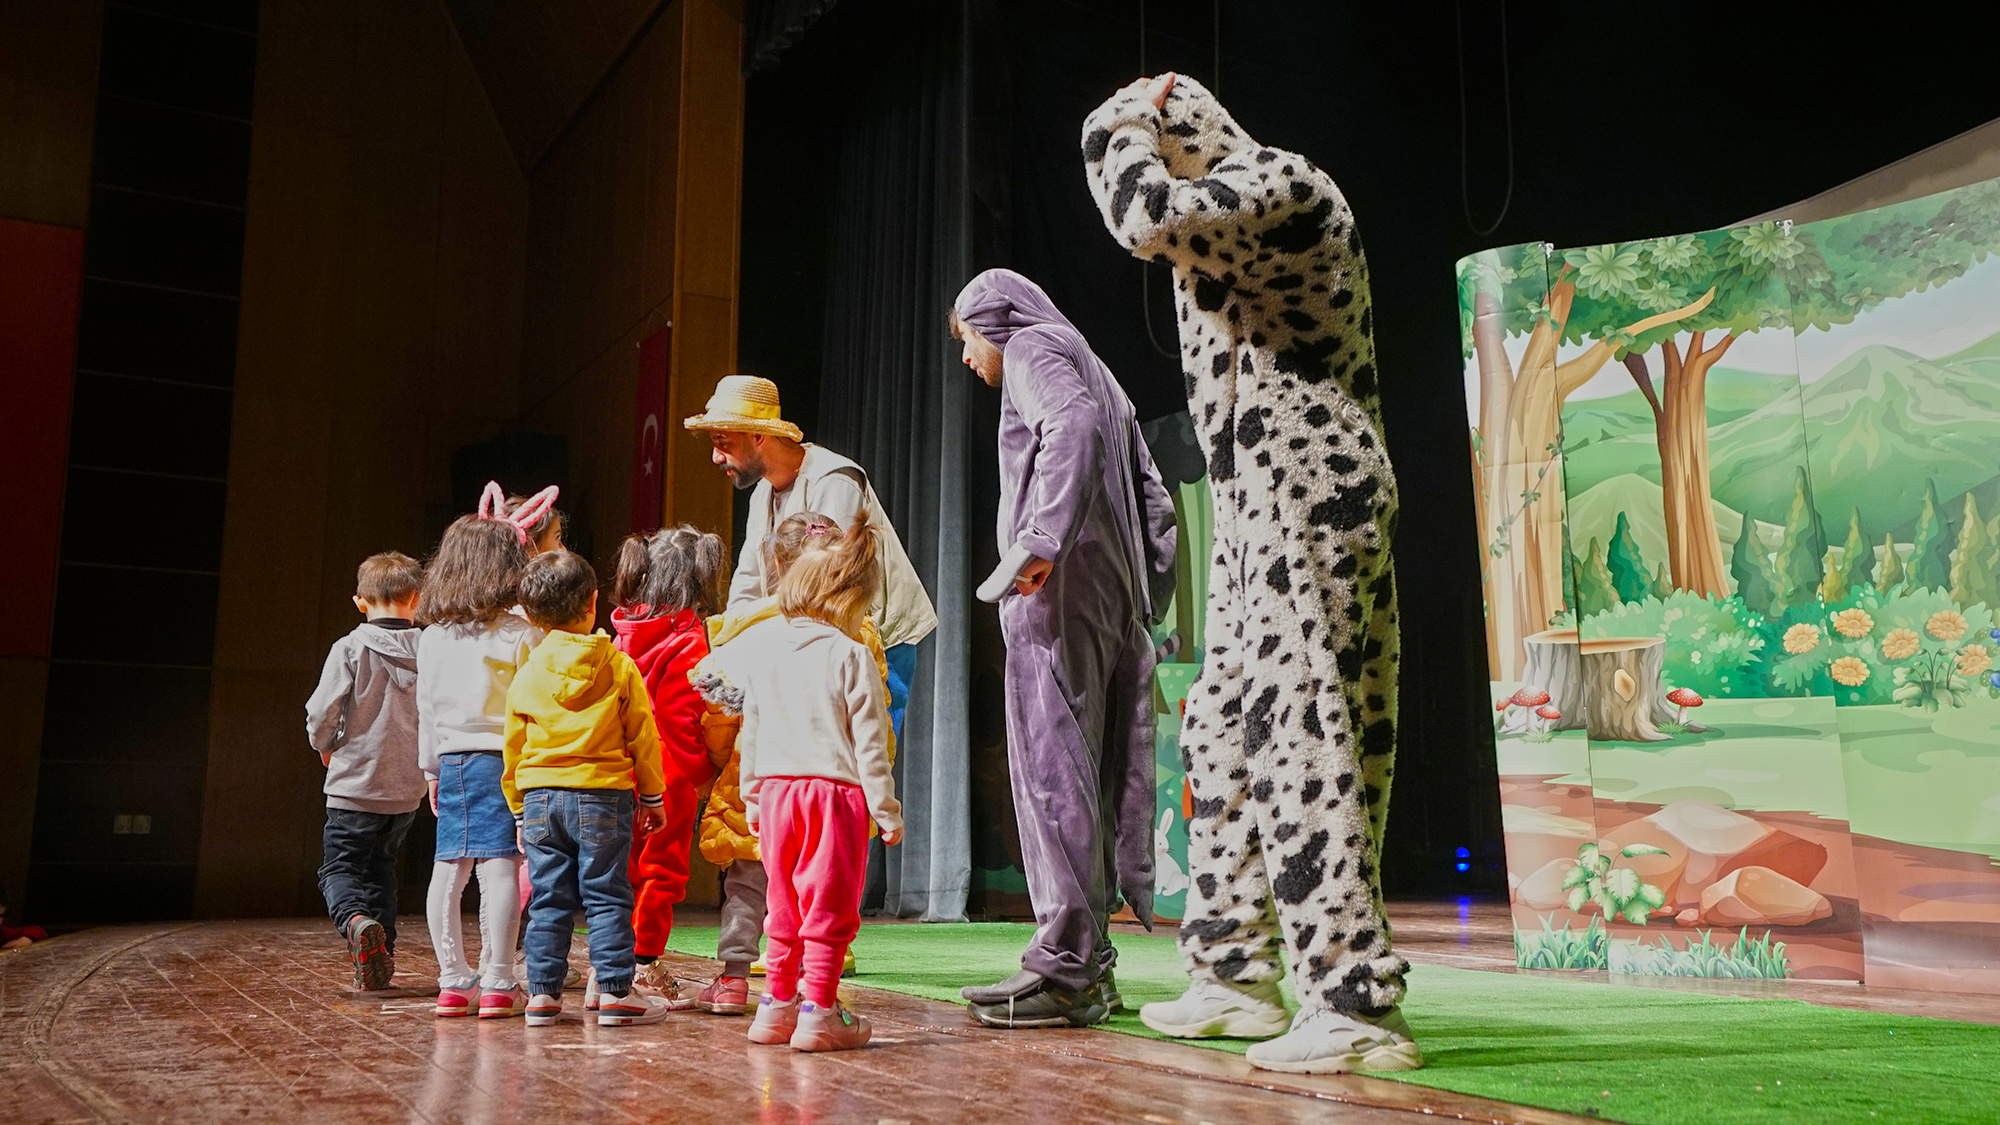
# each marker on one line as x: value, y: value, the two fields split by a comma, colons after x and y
x: 894, y: 398
x: 773, y: 25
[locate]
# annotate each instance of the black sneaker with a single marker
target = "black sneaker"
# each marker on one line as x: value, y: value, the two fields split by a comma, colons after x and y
x: 1109, y: 987
x: 1013, y: 988
x: 1049, y: 1005
x: 368, y: 947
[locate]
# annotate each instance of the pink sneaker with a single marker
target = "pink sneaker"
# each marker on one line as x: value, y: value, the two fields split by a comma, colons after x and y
x: 724, y: 996
x: 457, y: 1001
x: 829, y: 1029
x: 775, y: 1021
x: 502, y: 1003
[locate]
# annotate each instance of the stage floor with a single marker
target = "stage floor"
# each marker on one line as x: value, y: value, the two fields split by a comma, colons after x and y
x: 245, y: 1021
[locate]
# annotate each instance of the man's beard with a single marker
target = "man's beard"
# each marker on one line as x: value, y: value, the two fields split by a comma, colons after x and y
x: 747, y: 475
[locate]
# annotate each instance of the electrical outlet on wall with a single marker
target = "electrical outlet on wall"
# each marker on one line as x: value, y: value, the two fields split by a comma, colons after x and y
x: 140, y: 824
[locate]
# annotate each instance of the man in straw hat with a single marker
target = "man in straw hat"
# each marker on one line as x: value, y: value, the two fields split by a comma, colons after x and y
x: 759, y: 449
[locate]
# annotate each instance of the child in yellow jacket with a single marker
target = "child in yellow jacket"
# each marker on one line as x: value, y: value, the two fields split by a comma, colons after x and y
x: 725, y: 839
x: 580, y: 747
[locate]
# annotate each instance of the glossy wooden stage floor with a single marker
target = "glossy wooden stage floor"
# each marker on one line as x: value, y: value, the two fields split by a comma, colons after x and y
x: 245, y: 1021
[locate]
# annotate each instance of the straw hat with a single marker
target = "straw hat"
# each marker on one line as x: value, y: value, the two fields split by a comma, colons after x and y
x: 745, y: 404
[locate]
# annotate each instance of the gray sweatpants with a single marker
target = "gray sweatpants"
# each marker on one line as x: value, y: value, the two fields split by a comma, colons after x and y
x: 743, y: 889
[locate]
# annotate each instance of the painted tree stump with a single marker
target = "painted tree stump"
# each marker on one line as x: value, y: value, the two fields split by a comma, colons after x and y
x: 1624, y: 693
x: 1554, y: 666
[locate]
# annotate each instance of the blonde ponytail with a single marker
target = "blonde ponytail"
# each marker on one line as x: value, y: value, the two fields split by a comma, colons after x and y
x: 835, y: 577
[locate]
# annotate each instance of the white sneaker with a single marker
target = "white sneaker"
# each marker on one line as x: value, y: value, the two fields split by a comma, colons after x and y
x: 590, y: 996
x: 634, y: 1007
x: 1328, y: 1042
x: 775, y: 1022
x: 544, y: 1010
x: 1211, y: 1009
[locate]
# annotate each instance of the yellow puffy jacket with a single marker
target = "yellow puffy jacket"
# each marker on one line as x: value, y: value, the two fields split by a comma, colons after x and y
x: 725, y: 831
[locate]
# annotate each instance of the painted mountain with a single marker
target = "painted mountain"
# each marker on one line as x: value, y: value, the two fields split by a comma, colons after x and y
x: 1880, y: 423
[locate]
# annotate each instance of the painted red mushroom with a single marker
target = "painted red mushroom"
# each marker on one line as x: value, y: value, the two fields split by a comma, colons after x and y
x: 1684, y: 698
x: 1504, y: 704
x: 1530, y: 697
x: 1549, y: 715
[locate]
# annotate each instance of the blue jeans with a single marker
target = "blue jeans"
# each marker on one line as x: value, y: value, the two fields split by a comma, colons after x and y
x: 902, y: 661
x: 578, y: 843
x: 358, y: 872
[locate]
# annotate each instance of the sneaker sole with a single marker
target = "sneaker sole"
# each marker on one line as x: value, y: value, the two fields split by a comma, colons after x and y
x: 1089, y: 1017
x: 544, y: 1019
x: 610, y: 1018
x: 723, y: 1009
x: 501, y: 1013
x: 820, y: 1042
x: 1238, y: 1025
x: 370, y: 951
x: 1403, y: 1056
x: 453, y: 1013
x: 771, y: 1036
x: 681, y: 1004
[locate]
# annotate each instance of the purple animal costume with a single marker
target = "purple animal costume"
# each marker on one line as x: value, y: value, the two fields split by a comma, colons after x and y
x: 1078, y: 488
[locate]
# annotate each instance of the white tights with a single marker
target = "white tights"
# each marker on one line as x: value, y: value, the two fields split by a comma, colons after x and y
x: 499, y: 921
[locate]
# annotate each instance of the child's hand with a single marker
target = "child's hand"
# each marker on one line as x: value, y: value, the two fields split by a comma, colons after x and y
x: 434, y: 796
x: 891, y: 837
x: 652, y: 818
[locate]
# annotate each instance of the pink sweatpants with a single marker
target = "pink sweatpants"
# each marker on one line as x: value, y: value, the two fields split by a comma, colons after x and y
x: 814, y: 835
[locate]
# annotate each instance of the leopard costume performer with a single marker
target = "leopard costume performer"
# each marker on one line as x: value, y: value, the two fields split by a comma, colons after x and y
x: 1290, y: 732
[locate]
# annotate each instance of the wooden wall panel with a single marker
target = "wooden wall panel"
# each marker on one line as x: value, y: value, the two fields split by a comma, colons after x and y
x: 380, y: 329
x: 48, y: 104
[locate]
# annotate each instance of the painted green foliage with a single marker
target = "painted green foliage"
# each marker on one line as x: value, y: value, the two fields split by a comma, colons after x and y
x: 1800, y: 554
x: 1595, y: 591
x: 1751, y: 572
x: 1973, y: 565
x: 1889, y: 573
x: 1629, y: 575
x: 1930, y: 555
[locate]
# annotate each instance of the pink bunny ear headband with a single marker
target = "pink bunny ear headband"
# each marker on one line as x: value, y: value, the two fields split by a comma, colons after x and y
x: 493, y: 506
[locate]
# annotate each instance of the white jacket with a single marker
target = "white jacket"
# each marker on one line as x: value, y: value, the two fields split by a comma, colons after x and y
x: 463, y: 673
x: 813, y: 706
x: 836, y: 487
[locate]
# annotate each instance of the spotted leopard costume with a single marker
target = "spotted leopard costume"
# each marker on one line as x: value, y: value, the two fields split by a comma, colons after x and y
x: 1290, y: 732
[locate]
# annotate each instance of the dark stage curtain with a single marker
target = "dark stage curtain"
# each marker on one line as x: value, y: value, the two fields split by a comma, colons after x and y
x: 894, y: 397
x: 774, y: 25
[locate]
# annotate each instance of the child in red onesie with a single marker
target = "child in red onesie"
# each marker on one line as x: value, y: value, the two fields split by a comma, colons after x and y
x: 667, y: 584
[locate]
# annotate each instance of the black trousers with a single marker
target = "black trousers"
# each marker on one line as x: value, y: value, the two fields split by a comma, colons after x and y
x: 358, y: 873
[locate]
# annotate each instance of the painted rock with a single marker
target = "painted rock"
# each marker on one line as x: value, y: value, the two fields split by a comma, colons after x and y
x: 1720, y: 841
x: 1534, y: 837
x: 1759, y: 896
x: 1662, y: 871
x: 1543, y: 889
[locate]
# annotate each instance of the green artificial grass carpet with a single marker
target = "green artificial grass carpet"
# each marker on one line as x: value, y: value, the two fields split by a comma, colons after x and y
x: 1641, y: 1055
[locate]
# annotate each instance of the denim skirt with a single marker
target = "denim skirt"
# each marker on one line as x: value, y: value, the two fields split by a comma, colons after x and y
x: 474, y: 821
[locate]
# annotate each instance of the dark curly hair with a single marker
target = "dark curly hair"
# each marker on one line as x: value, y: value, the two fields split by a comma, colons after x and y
x: 673, y: 569
x: 475, y: 575
x: 556, y: 587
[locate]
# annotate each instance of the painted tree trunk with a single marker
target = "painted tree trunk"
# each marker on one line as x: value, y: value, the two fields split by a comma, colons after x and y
x: 1555, y: 666
x: 1694, y: 547
x: 1624, y: 698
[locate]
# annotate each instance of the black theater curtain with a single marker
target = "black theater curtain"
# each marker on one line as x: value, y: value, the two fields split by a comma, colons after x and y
x: 773, y: 25
x: 893, y: 395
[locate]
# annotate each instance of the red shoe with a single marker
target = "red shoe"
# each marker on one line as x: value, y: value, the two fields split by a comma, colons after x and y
x: 724, y: 996
x: 502, y: 1003
x: 457, y: 1001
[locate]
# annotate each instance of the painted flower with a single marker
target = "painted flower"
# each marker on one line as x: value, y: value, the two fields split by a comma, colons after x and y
x: 1801, y: 639
x: 1946, y: 625
x: 1974, y: 660
x: 1900, y: 644
x: 1853, y: 623
x: 1849, y: 670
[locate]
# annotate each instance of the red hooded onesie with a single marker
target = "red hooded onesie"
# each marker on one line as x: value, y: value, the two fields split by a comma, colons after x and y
x: 665, y: 648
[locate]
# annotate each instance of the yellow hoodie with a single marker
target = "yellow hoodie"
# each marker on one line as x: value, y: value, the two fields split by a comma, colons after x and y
x: 579, y: 717
x: 725, y: 830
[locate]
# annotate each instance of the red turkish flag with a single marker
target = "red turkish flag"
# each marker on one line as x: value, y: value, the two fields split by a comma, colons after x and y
x: 649, y: 442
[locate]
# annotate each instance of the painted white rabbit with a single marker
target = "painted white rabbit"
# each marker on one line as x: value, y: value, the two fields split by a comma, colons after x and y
x: 1168, y: 878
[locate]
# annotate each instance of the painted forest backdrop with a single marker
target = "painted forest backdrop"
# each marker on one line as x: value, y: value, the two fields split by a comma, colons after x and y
x: 1739, y: 505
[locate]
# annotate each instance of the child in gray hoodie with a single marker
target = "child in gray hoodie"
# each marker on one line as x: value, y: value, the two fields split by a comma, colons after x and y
x: 362, y: 720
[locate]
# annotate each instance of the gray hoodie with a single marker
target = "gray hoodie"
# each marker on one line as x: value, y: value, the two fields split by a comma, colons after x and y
x: 364, y: 714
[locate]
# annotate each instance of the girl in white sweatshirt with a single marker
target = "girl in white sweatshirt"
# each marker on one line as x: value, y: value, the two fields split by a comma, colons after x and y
x: 466, y: 660
x: 815, y: 772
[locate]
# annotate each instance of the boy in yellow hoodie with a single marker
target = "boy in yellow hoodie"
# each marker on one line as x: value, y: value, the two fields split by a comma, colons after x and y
x: 580, y: 747
x: 725, y: 839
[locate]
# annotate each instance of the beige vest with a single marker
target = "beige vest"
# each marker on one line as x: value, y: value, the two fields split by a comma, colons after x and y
x: 903, y: 611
